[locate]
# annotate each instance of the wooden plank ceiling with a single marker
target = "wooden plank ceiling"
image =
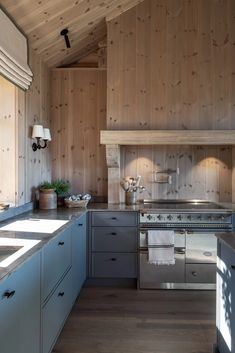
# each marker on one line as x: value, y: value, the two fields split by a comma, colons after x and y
x: 43, y: 20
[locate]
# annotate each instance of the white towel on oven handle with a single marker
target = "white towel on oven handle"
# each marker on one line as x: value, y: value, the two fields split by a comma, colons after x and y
x: 161, y: 247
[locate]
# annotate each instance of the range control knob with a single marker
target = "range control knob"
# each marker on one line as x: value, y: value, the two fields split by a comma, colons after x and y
x: 169, y: 217
x: 199, y: 217
x: 189, y: 217
x: 149, y: 217
x: 209, y: 218
x: 179, y: 217
x: 159, y: 217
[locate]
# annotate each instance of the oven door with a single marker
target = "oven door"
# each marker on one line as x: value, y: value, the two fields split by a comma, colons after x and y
x: 161, y: 276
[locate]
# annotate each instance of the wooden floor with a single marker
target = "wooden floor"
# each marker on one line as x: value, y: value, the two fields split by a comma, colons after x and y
x: 106, y: 320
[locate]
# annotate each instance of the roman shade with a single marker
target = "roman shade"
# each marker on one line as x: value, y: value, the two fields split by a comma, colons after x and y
x: 14, y: 53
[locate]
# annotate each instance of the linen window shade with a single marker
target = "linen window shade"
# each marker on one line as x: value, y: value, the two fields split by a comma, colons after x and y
x: 14, y: 53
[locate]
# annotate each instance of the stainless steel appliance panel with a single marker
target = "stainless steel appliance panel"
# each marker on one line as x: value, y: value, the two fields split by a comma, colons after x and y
x: 200, y: 273
x: 200, y: 247
x: 153, y: 276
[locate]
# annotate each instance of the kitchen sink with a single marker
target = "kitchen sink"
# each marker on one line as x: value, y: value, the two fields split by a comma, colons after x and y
x: 12, y: 249
x: 7, y: 250
x: 35, y: 225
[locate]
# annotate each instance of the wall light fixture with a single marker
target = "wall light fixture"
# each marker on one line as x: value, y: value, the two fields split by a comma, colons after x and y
x: 40, y: 133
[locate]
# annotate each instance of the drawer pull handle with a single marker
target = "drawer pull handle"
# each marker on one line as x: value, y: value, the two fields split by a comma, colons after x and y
x: 61, y: 243
x: 233, y: 267
x: 9, y: 294
x: 114, y: 218
x: 61, y: 294
x: 80, y: 224
x: 194, y: 273
x: 113, y: 259
x: 113, y: 233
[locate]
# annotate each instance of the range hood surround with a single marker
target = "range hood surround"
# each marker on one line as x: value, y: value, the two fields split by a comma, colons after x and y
x: 114, y: 138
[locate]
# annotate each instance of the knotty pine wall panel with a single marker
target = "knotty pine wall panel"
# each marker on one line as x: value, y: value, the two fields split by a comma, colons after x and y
x: 171, y: 65
x: 78, y: 113
x: 37, y: 164
x: 19, y: 111
x: 205, y: 172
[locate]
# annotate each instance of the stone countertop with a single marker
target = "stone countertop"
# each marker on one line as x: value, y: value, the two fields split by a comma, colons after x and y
x: 228, y: 239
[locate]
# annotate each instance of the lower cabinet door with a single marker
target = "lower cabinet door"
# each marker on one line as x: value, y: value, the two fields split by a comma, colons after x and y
x: 79, y: 257
x: 55, y: 312
x: 114, y: 265
x: 20, y: 309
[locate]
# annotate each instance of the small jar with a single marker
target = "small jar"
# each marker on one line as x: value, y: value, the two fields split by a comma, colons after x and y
x: 47, y: 199
x: 130, y: 197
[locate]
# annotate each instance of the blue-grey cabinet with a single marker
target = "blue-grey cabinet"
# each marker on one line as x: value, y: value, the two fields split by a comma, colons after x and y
x: 113, y: 244
x: 225, y: 298
x: 20, y: 309
x: 56, y: 260
x: 57, y: 284
x: 79, y: 254
x: 55, y: 312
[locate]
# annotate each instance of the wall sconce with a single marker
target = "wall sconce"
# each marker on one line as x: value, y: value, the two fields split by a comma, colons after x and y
x: 40, y: 133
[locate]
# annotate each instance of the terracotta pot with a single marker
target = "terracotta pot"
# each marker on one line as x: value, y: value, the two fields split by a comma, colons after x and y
x: 47, y: 199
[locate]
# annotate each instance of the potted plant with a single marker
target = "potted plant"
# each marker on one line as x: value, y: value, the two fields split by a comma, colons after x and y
x: 61, y: 187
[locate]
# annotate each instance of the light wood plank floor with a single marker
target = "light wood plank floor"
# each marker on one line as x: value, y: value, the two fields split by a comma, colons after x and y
x: 106, y: 320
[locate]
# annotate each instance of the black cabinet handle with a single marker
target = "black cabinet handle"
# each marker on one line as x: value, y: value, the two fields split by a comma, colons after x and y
x: 61, y: 243
x: 113, y: 259
x: 233, y: 267
x: 114, y: 218
x: 60, y: 294
x: 113, y: 233
x: 194, y: 273
x: 80, y: 224
x: 9, y: 294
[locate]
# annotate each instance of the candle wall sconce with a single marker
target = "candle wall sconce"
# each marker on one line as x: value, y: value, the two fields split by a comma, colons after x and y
x: 40, y: 134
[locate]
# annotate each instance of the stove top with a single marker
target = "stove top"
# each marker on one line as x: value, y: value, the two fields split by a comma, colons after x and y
x: 186, y: 205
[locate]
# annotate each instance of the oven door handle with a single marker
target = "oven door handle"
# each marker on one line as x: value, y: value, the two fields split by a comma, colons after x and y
x: 177, y: 250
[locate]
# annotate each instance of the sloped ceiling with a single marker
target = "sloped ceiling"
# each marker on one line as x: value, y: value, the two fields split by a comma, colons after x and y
x: 43, y: 20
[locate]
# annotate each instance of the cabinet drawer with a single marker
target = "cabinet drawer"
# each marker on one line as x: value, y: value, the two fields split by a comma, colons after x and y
x: 116, y: 239
x: 114, y: 265
x: 55, y: 261
x: 200, y: 273
x: 114, y: 219
x: 55, y: 312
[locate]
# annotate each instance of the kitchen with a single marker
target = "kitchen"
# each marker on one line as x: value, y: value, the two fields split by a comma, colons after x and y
x: 158, y: 66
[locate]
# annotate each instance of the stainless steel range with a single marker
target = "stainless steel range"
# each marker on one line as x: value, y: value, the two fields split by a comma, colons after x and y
x: 194, y: 223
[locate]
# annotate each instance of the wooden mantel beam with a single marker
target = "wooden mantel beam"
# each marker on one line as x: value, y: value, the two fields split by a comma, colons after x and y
x: 167, y: 137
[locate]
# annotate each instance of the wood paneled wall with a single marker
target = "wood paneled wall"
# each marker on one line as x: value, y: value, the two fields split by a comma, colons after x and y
x: 205, y: 172
x: 22, y: 169
x: 78, y: 113
x: 38, y: 164
x: 171, y: 65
